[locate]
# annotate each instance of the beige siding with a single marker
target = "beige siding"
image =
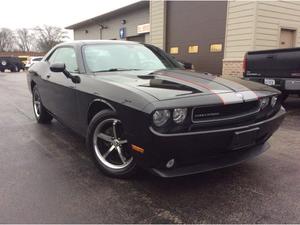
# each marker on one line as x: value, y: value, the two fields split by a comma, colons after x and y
x: 158, y: 23
x: 133, y: 19
x: 239, y: 28
x: 271, y: 17
x: 93, y: 32
x: 256, y: 25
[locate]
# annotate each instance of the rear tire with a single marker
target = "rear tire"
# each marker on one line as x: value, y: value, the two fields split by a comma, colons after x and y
x: 109, y: 148
x: 41, y: 114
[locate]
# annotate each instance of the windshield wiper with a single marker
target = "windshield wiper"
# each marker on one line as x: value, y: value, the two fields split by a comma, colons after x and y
x: 115, y: 69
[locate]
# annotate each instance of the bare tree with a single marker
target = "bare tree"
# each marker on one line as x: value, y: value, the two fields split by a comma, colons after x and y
x: 49, y: 36
x: 7, y: 39
x: 24, y: 39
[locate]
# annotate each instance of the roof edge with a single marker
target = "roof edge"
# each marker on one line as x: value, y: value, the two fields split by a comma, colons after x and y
x: 136, y: 5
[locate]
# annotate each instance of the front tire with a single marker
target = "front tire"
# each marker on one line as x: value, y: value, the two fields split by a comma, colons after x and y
x: 40, y: 112
x: 109, y: 147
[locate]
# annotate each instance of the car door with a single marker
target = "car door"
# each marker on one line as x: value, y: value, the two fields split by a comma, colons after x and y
x: 60, y: 90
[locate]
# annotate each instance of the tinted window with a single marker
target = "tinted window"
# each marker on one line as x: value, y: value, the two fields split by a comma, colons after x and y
x: 67, y: 56
x: 126, y: 57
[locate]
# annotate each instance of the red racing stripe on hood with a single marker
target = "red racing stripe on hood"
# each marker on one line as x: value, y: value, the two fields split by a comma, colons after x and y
x: 197, y: 84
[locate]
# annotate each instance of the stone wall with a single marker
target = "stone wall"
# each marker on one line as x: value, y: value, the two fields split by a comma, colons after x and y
x: 233, y: 68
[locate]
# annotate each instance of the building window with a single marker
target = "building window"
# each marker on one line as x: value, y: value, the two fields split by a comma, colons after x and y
x: 174, y: 50
x: 216, y: 48
x: 193, y: 49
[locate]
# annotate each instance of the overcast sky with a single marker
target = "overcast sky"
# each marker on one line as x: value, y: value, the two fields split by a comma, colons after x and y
x: 30, y: 13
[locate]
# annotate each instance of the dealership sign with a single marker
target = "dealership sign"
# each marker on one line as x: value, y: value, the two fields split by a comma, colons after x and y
x: 144, y: 28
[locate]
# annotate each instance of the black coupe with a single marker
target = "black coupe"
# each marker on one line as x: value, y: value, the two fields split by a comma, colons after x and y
x: 137, y: 107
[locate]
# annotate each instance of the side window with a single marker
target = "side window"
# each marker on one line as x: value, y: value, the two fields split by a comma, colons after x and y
x: 67, y: 56
x: 52, y: 57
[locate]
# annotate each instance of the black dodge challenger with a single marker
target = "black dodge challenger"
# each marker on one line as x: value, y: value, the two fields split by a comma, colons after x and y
x: 137, y: 107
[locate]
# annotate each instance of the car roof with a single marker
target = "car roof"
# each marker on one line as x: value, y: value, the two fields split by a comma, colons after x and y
x: 87, y: 42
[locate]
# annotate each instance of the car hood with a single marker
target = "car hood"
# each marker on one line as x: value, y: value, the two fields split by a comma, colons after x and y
x: 172, y: 84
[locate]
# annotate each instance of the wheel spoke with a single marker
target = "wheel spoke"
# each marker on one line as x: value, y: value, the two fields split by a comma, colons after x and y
x: 105, y: 137
x: 115, y: 129
x: 123, y: 159
x: 109, y: 151
x: 123, y: 142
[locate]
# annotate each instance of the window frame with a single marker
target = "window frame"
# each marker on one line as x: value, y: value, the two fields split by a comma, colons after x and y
x: 65, y: 46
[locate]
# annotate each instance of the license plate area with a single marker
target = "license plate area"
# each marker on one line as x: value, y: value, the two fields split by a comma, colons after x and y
x: 270, y: 82
x: 242, y: 139
x: 292, y: 84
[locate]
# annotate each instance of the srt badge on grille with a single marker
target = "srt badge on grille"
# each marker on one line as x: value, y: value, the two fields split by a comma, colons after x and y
x: 201, y: 115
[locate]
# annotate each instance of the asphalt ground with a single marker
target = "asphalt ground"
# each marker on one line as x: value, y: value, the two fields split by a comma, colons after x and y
x: 46, y: 176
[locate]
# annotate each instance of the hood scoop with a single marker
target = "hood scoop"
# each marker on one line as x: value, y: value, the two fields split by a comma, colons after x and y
x: 169, y: 85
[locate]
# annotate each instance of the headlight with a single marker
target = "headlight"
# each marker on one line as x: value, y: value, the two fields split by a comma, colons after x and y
x: 179, y: 115
x: 264, y: 102
x: 161, y: 117
x: 274, y: 101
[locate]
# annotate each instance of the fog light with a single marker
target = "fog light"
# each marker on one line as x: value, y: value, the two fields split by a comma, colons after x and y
x: 170, y: 163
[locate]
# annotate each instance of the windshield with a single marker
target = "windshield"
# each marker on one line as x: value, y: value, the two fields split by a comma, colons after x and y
x: 122, y: 57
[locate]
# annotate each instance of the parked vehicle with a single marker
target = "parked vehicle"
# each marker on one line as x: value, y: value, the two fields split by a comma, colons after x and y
x: 13, y: 64
x: 23, y: 58
x: 279, y: 68
x: 137, y: 107
x: 32, y: 60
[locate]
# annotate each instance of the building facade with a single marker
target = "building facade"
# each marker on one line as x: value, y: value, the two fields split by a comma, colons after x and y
x: 214, y: 36
x: 259, y: 25
x: 131, y: 21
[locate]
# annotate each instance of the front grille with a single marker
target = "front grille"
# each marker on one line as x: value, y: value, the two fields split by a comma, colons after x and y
x: 219, y: 113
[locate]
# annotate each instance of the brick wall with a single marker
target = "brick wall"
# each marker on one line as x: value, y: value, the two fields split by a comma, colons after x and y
x: 16, y: 54
x: 233, y: 68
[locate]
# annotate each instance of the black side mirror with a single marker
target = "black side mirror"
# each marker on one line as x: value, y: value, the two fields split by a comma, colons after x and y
x: 58, y: 67
x: 187, y: 66
x: 61, y: 68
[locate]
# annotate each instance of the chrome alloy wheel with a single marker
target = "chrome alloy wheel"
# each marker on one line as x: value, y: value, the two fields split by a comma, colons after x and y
x: 37, y: 104
x: 110, y: 146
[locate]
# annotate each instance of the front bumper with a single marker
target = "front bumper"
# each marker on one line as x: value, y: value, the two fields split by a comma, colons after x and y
x: 227, y: 159
x: 202, y: 151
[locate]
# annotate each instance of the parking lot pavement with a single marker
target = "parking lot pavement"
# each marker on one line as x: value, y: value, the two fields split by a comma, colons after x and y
x: 46, y: 176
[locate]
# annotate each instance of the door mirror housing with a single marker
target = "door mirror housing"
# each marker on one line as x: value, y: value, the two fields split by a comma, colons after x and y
x: 186, y: 65
x: 58, y: 67
x: 61, y: 68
